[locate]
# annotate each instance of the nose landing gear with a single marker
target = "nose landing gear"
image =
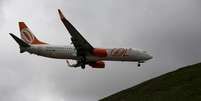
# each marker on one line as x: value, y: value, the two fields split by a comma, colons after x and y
x: 138, y: 64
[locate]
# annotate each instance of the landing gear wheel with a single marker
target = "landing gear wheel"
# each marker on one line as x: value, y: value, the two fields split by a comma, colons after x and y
x: 83, y: 60
x: 83, y: 66
x: 138, y: 64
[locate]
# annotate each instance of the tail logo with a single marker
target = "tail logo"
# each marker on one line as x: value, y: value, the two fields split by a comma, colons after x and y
x: 27, y: 36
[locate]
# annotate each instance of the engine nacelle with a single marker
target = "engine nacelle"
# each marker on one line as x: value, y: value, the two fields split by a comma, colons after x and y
x: 100, y: 52
x: 98, y: 64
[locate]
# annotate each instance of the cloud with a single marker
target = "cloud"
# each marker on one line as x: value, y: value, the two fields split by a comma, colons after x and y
x: 1, y: 12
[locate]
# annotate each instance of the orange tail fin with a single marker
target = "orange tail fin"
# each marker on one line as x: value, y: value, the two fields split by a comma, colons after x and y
x: 27, y: 36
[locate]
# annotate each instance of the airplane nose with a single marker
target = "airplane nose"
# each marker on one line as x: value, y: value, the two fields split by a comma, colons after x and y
x: 149, y: 57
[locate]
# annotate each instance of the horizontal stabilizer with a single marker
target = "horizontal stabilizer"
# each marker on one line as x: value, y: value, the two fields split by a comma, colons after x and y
x: 19, y: 41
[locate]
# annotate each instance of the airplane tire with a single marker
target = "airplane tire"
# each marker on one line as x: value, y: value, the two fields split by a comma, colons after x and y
x: 83, y: 66
x: 138, y: 64
x: 83, y: 60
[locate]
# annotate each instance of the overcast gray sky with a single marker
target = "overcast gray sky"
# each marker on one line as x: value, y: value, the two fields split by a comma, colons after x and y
x: 170, y: 30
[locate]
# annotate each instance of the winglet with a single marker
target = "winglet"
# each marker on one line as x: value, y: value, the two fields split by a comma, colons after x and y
x: 60, y: 14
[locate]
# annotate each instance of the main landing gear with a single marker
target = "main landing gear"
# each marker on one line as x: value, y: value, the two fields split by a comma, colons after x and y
x: 83, y: 61
x: 83, y: 66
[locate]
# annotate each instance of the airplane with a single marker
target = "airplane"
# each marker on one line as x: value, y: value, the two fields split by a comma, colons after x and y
x: 81, y: 51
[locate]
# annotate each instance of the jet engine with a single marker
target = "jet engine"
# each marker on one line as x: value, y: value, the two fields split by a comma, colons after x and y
x: 97, y: 64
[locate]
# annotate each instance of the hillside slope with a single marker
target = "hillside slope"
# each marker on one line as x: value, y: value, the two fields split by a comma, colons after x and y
x: 181, y: 85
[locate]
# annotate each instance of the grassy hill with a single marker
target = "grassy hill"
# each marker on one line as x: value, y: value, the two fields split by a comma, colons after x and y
x: 181, y: 85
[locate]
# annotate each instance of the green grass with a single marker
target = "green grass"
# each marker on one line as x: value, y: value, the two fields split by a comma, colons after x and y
x: 181, y: 85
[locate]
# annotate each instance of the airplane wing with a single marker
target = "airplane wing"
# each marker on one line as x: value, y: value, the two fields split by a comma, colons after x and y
x: 80, y: 43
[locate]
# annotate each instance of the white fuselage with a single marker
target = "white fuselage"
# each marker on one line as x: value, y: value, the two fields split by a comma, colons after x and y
x: 69, y: 52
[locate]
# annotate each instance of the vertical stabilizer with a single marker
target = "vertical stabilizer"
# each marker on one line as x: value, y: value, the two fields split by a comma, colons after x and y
x: 27, y: 36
